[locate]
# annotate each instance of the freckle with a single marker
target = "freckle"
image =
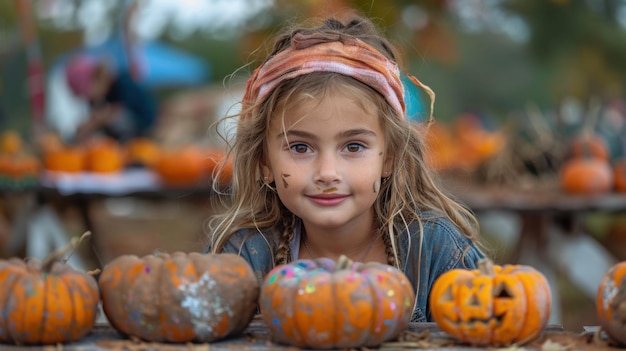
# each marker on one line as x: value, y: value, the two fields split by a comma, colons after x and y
x: 380, y: 154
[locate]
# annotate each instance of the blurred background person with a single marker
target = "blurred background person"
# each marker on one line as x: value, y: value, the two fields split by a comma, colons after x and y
x: 118, y: 106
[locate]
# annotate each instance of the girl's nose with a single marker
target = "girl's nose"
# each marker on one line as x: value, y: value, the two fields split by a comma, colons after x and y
x: 327, y: 169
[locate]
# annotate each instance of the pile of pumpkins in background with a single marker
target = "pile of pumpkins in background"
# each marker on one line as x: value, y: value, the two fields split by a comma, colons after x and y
x: 323, y: 304
x: 463, y: 145
x: 182, y: 165
x: 590, y: 169
x: 19, y: 166
x: 581, y: 163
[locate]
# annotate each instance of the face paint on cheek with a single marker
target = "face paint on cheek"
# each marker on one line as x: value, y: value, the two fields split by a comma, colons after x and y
x: 376, y: 186
x: 284, y: 176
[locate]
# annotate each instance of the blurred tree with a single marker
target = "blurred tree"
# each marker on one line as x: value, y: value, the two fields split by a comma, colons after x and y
x: 580, y: 41
x: 495, y: 60
x: 13, y: 99
x: 15, y: 108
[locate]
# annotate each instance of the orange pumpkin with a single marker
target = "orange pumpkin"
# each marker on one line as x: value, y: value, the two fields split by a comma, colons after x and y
x: 104, y: 156
x: 18, y: 166
x: 475, y: 144
x: 619, y: 175
x: 179, y: 297
x: 218, y: 166
x: 492, y: 305
x: 182, y: 166
x: 589, y: 145
x: 66, y: 158
x: 24, y: 165
x: 6, y: 163
x: 442, y: 146
x: 142, y: 151
x: 611, y: 302
x: 326, y: 304
x: 11, y: 142
x: 586, y: 176
x: 45, y: 303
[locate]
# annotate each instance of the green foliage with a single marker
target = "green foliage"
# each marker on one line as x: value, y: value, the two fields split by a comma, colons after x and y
x: 581, y: 41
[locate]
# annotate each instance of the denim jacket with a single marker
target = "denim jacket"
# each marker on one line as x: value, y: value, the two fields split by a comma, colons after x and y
x: 442, y: 249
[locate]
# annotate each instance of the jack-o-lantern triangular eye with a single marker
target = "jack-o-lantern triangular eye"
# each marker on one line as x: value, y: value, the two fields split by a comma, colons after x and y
x: 502, y: 291
x: 447, y: 295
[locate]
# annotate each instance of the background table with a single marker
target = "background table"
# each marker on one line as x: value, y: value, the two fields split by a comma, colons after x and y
x: 550, y: 231
x: 39, y: 229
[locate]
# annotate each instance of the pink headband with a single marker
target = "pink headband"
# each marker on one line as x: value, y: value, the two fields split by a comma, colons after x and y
x: 318, y: 53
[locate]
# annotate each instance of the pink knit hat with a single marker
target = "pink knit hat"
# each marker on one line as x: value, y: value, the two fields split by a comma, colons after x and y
x: 79, y: 72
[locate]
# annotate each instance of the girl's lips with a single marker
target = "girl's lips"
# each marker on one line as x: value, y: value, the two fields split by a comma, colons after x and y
x: 327, y: 200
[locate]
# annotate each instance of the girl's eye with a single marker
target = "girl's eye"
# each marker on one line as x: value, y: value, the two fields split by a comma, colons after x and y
x: 354, y: 147
x: 299, y: 148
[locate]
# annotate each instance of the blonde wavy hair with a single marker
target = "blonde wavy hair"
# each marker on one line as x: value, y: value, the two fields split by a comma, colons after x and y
x: 410, y: 190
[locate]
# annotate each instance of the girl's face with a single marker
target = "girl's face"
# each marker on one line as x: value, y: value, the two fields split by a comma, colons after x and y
x: 326, y: 159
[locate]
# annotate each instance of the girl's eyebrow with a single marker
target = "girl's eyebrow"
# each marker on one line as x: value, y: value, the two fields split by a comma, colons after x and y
x: 357, y: 132
x: 345, y: 134
x: 296, y: 133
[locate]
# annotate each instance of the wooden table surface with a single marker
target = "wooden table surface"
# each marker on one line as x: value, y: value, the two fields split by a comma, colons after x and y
x: 419, y: 336
x: 481, y: 197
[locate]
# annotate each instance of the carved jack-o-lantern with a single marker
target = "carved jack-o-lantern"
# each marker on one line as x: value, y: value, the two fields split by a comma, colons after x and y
x: 493, y: 305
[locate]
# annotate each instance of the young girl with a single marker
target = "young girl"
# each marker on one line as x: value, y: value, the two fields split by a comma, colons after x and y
x: 326, y: 164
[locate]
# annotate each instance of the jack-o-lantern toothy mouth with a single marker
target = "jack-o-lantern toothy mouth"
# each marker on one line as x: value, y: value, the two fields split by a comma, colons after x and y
x: 497, y: 318
x: 500, y: 291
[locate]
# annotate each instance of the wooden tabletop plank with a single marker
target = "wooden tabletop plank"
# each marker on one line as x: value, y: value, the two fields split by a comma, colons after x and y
x: 419, y: 336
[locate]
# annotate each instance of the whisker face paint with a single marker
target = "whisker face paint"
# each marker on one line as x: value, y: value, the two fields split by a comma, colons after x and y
x: 284, y: 176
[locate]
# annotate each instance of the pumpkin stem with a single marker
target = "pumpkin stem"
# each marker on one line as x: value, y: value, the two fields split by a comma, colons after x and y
x: 485, y: 266
x: 343, y: 263
x: 59, y: 253
x: 94, y: 272
x: 77, y: 243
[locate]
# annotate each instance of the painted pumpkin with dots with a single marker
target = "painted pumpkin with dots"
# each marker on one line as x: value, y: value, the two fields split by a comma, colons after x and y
x: 328, y: 304
x: 611, y: 303
x: 492, y: 305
